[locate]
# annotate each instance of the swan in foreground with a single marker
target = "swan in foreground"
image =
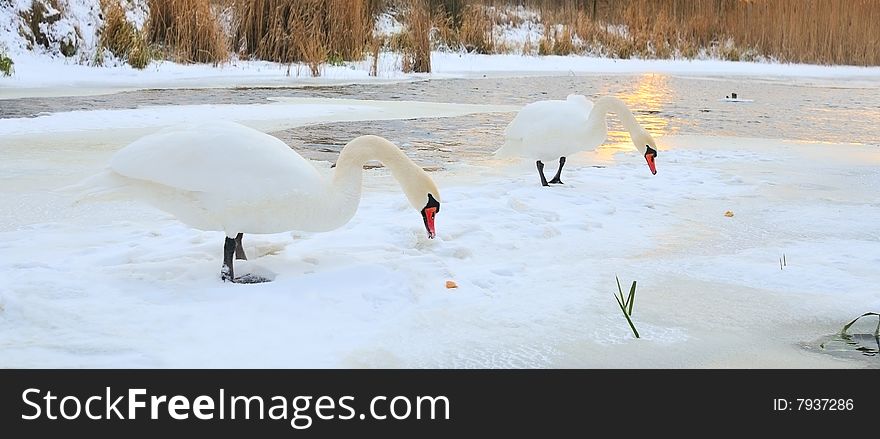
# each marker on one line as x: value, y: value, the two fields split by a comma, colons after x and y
x: 554, y: 129
x: 231, y: 178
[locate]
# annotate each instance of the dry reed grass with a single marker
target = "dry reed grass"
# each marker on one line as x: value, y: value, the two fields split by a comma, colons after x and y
x: 461, y: 26
x: 121, y: 38
x: 444, y: 32
x: 375, y: 49
x: 310, y: 31
x: 811, y: 31
x: 476, y: 31
x: 527, y: 47
x: 187, y: 31
x: 414, y: 42
x: 317, y: 31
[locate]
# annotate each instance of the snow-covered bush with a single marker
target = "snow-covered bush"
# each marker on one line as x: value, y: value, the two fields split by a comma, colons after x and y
x: 46, y: 26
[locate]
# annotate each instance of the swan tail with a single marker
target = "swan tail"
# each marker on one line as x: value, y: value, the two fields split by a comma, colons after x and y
x: 107, y: 185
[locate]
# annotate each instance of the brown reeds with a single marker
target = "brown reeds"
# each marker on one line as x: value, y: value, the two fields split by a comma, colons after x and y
x: 319, y: 31
x: 476, y: 31
x: 375, y: 49
x: 310, y: 31
x: 415, y: 43
x: 121, y: 38
x: 810, y: 31
x: 187, y: 31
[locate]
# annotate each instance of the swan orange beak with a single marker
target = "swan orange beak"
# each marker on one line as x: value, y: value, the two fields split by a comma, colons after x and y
x: 649, y: 157
x: 428, y: 214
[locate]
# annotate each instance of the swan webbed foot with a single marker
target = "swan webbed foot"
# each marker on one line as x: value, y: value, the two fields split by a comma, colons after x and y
x: 251, y: 279
x: 555, y: 180
x: 232, y: 250
x: 226, y: 274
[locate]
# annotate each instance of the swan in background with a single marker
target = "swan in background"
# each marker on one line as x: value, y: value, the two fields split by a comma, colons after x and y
x: 554, y: 129
x: 227, y: 177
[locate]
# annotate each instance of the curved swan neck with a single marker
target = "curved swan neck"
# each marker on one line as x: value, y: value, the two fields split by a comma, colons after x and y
x: 365, y: 148
x: 610, y: 104
x: 348, y: 178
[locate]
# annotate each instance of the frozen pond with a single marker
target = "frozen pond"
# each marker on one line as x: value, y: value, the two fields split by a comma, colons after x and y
x: 798, y: 165
x: 824, y: 111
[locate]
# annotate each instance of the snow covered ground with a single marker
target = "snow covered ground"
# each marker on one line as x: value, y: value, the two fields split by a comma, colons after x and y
x: 43, y: 76
x: 280, y: 113
x: 120, y: 284
x: 37, y: 75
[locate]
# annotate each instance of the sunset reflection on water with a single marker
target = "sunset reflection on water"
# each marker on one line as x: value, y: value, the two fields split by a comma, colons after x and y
x: 647, y: 98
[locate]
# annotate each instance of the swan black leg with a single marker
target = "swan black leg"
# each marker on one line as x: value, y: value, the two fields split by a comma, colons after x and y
x: 239, y: 250
x: 232, y: 250
x: 227, y: 273
x: 557, y: 178
x: 541, y: 173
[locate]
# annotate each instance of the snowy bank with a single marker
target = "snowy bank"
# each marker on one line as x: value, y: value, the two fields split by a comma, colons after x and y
x: 40, y: 76
x: 513, y: 65
x: 280, y: 113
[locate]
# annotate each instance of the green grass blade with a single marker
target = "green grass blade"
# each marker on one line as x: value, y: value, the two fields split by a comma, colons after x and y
x: 632, y: 298
x: 619, y: 303
x: 619, y: 289
x: 628, y: 320
x: 633, y: 327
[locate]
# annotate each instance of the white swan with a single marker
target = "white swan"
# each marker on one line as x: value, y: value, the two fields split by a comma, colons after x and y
x: 227, y: 177
x: 554, y: 129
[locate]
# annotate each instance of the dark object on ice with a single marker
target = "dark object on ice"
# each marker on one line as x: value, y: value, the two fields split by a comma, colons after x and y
x: 853, y: 346
x: 876, y: 331
x: 733, y: 95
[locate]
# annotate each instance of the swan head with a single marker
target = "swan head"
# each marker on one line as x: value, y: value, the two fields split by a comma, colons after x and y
x: 646, y: 145
x: 429, y: 214
x: 424, y: 196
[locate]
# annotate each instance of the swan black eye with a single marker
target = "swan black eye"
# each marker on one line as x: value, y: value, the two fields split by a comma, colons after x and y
x: 651, y: 150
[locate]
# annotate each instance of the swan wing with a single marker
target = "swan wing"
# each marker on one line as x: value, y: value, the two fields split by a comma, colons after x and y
x: 581, y: 101
x: 546, y: 129
x: 224, y: 158
x: 548, y: 117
